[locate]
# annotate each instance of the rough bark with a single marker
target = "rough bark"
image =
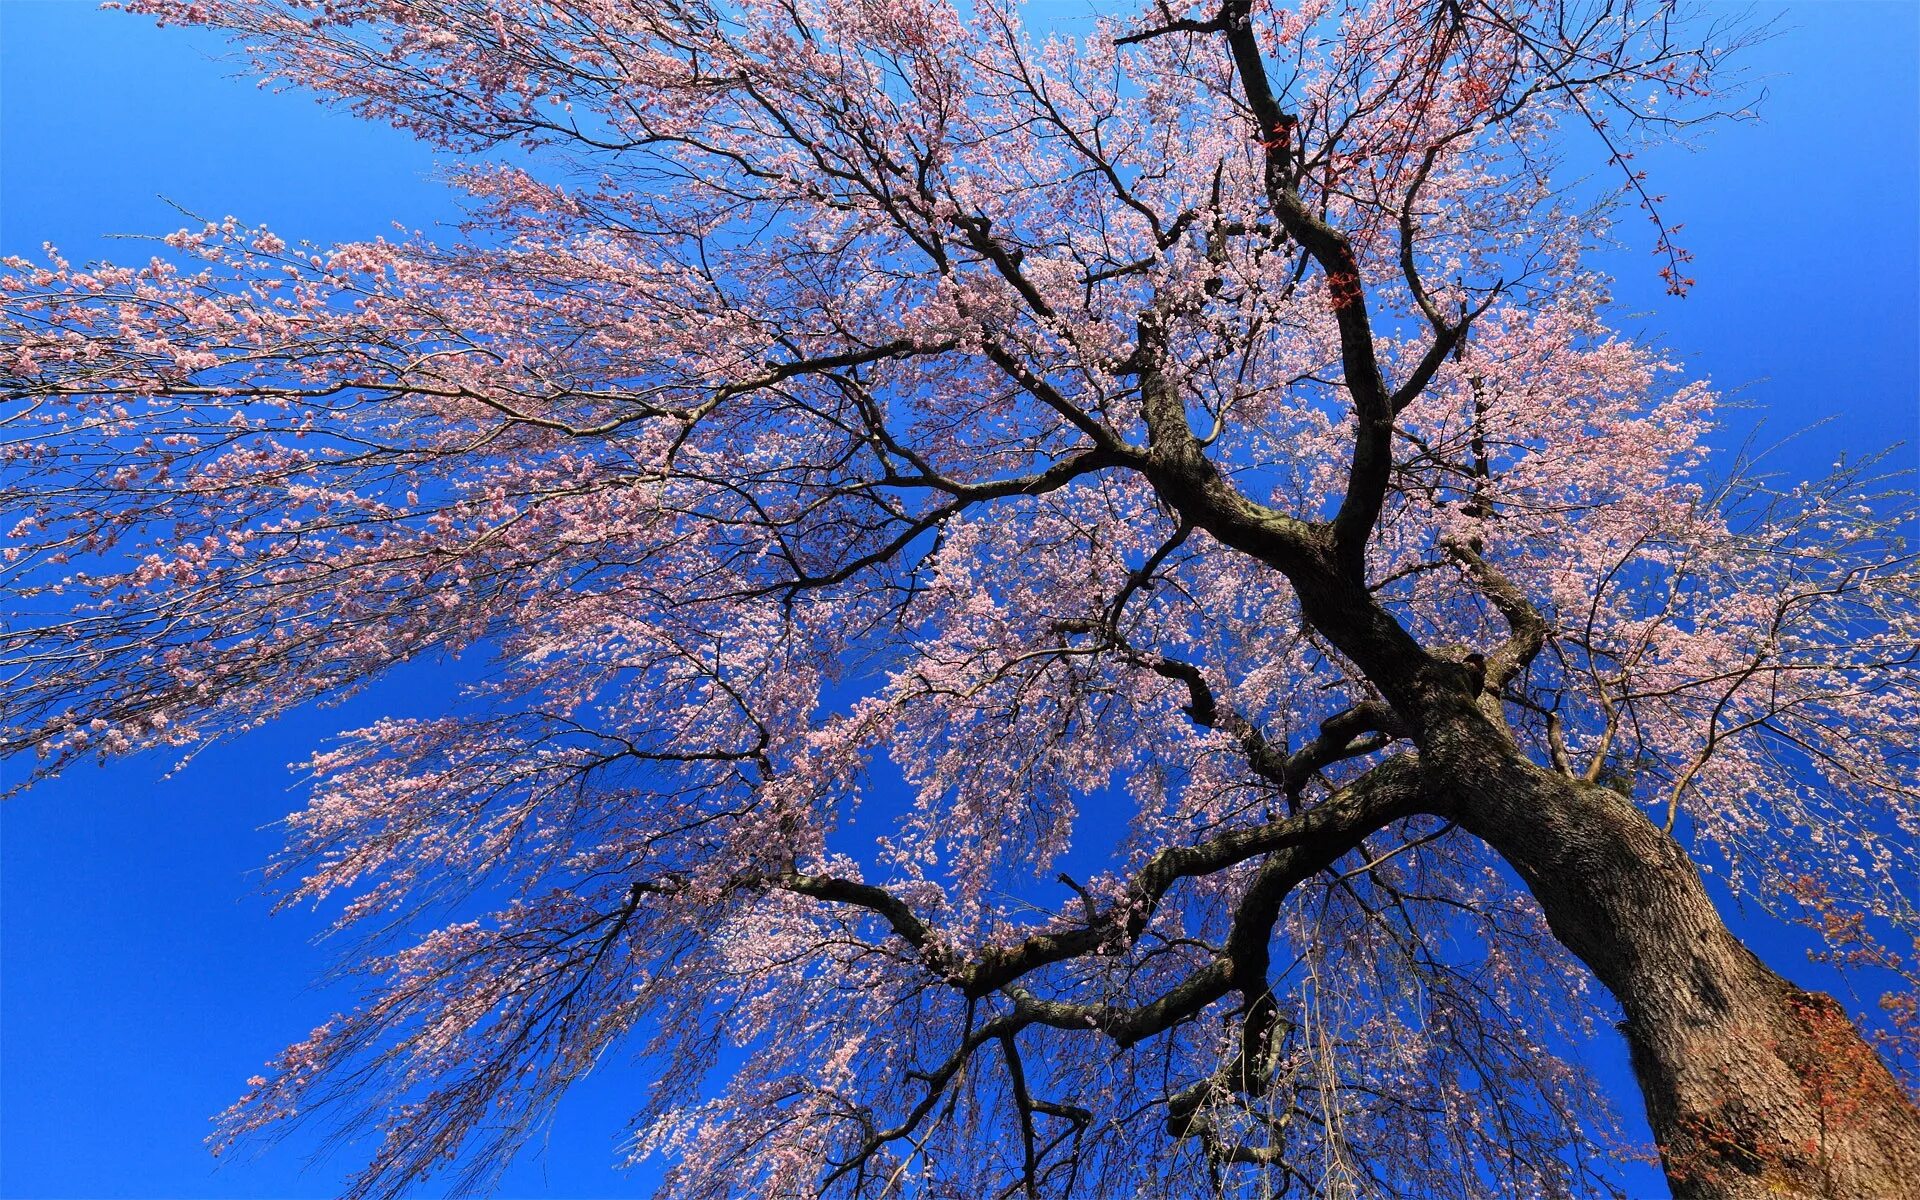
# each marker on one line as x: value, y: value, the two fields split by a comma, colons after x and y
x: 1753, y: 1087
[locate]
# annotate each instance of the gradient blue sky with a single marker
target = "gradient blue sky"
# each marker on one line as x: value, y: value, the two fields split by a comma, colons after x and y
x: 142, y: 977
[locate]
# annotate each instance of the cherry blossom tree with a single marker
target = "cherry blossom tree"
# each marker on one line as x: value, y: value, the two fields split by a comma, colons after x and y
x: 1063, y: 615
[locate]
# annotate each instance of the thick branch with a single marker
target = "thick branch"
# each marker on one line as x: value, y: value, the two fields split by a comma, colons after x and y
x: 1527, y: 629
x: 1301, y: 844
x: 1372, y: 462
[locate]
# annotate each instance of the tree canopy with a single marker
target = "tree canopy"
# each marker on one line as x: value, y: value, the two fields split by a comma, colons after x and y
x: 1066, y: 615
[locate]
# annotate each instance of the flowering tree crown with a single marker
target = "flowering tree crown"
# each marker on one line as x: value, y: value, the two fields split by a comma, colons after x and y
x: 886, y: 455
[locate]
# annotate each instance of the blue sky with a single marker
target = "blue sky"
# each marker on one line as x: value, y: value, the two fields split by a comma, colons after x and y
x: 142, y: 977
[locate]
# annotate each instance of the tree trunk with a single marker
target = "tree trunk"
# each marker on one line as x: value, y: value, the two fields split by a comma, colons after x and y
x: 1753, y: 1087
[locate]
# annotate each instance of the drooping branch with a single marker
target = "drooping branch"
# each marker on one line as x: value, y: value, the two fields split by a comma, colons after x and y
x: 1296, y: 847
